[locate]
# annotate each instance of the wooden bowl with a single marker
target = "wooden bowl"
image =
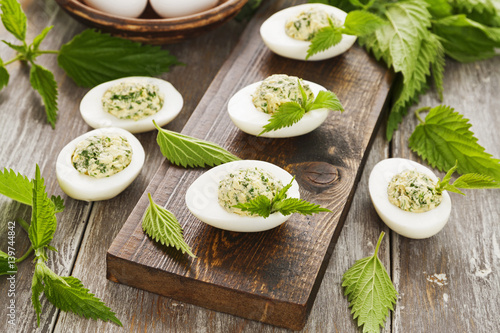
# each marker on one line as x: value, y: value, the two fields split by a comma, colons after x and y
x: 149, y: 27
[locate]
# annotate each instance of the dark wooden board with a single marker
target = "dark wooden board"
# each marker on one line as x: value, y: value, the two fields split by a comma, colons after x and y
x: 270, y: 276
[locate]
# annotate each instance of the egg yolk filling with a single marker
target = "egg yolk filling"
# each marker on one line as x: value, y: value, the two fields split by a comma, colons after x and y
x: 306, y: 24
x: 102, y: 156
x: 132, y: 100
x: 277, y: 90
x: 245, y: 185
x: 413, y: 191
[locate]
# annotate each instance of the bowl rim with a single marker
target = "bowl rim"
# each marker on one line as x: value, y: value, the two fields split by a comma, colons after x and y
x: 208, y: 16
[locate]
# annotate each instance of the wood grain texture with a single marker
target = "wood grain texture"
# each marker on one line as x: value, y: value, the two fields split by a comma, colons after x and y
x: 271, y: 276
x: 466, y: 251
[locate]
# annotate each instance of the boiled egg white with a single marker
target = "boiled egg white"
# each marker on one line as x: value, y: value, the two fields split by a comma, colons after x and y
x: 202, y: 198
x: 274, y: 36
x: 92, y: 111
x: 125, y: 8
x: 83, y: 187
x: 176, y: 8
x: 247, y: 118
x: 408, y: 224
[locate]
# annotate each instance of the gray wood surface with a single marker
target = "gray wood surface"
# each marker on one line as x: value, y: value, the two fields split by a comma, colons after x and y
x: 467, y: 250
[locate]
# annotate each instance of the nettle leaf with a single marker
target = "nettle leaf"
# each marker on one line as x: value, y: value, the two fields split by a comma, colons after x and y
x: 327, y: 100
x: 39, y: 39
x: 162, y: 226
x: 58, y: 203
x: 91, y: 58
x: 324, y: 39
x: 13, y: 18
x: 186, y: 151
x: 68, y: 294
x: 445, y: 138
x: 260, y: 205
x: 42, y: 80
x: 16, y: 186
x: 370, y: 291
x: 294, y: 205
x: 362, y: 23
x: 287, y: 114
x: 43, y: 220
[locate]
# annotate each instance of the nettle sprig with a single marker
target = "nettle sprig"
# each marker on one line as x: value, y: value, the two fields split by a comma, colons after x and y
x: 263, y: 206
x: 466, y: 181
x: 90, y: 58
x: 64, y: 292
x: 289, y: 113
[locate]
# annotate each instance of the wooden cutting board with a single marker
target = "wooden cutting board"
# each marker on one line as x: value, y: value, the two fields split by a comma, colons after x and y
x: 270, y: 276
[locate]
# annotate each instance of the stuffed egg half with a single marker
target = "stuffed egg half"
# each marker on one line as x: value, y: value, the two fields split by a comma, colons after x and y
x: 407, y: 223
x: 249, y: 119
x: 203, y: 197
x: 99, y: 164
x: 131, y: 103
x: 274, y: 33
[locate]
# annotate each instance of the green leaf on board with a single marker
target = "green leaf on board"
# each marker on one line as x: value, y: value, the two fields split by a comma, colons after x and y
x: 42, y: 80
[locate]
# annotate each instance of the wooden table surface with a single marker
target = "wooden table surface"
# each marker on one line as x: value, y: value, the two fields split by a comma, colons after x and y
x: 466, y: 252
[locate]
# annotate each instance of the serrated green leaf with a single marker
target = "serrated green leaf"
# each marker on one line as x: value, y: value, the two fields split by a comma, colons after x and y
x: 42, y: 80
x: 294, y: 205
x: 69, y: 294
x: 439, y: 8
x: 327, y: 100
x: 37, y: 290
x: 91, y: 58
x: 22, y: 49
x: 444, y: 138
x: 475, y: 181
x: 13, y: 18
x: 361, y: 23
x: 16, y: 186
x: 370, y: 291
x: 6, y: 267
x: 43, y: 220
x: 186, y: 151
x: 260, y: 205
x: 324, y: 39
x: 35, y: 46
x: 58, y: 203
x: 162, y: 226
x: 466, y: 40
x: 287, y: 114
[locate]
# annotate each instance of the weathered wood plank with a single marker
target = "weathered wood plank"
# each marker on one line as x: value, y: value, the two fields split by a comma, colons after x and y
x: 466, y: 251
x: 279, y: 283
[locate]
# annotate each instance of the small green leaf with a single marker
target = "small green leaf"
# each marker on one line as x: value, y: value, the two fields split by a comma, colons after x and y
x: 16, y: 186
x: 58, y: 203
x: 475, y: 181
x: 327, y: 100
x: 91, y: 58
x: 445, y: 138
x: 43, y: 220
x: 361, y: 23
x: 13, y: 18
x: 39, y: 39
x: 370, y: 291
x: 22, y: 49
x: 191, y: 152
x: 6, y: 266
x: 294, y: 205
x: 162, y: 226
x: 324, y: 39
x: 260, y: 205
x: 287, y: 114
x: 42, y: 80
x: 37, y: 290
x: 69, y: 294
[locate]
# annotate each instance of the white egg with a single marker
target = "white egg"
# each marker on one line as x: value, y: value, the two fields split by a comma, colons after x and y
x: 202, y: 198
x: 274, y: 36
x: 92, y: 111
x: 247, y: 118
x: 176, y: 8
x: 83, y: 187
x: 408, y: 224
x: 125, y: 8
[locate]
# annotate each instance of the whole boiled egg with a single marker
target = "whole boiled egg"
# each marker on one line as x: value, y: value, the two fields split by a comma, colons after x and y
x: 250, y: 119
x: 125, y: 8
x: 99, y: 164
x: 402, y: 192
x: 131, y: 103
x: 212, y: 196
x: 176, y: 8
x: 288, y: 32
